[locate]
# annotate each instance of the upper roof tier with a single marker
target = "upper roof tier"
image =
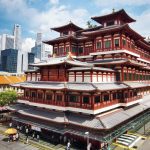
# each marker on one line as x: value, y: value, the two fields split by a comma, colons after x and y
x: 69, y: 26
x: 62, y: 60
x: 118, y: 15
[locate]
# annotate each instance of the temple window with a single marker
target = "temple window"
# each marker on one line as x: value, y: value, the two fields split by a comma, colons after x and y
x: 73, y: 98
x: 110, y: 23
x: 55, y: 50
x: 59, y: 97
x: 33, y: 94
x: 125, y: 76
x: 40, y: 95
x: 106, y: 97
x: 27, y: 93
x: 80, y: 50
x: 65, y: 33
x: 97, y: 99
x: 48, y: 97
x: 86, y: 99
x: 61, y: 50
x: 114, y: 96
x: 107, y: 44
x: 98, y: 45
x: 74, y: 49
x: 124, y: 42
x: 67, y: 49
x: 116, y: 42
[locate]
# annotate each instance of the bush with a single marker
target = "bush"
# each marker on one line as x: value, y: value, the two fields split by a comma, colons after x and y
x: 7, y: 97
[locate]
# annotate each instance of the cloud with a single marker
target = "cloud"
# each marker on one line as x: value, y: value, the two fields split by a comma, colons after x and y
x: 119, y: 3
x: 42, y: 21
x: 143, y: 23
x: 54, y: 1
x: 27, y: 44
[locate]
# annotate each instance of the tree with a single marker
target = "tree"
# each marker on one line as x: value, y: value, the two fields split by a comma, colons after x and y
x: 90, y: 25
x: 7, y: 97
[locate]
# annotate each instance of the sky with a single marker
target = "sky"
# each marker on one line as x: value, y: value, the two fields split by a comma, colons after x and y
x: 41, y: 15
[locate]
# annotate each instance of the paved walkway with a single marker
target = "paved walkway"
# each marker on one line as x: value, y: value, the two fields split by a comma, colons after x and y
x: 42, y: 145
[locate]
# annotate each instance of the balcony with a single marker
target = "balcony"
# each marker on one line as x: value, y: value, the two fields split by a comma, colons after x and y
x: 131, y: 99
x: 105, y: 104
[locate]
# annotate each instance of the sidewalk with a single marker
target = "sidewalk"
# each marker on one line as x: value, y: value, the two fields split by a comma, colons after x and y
x: 42, y: 145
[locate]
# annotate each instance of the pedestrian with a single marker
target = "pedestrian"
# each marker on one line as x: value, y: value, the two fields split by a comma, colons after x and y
x: 38, y: 137
x: 9, y: 138
x: 10, y: 124
x: 14, y: 137
x: 68, y: 145
x: 27, y: 140
x: 17, y: 136
x: 33, y: 135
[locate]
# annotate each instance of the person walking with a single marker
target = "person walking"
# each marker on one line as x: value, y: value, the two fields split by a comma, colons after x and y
x: 68, y: 145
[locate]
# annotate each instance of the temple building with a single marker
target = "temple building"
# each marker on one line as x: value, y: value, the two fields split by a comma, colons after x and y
x: 96, y: 83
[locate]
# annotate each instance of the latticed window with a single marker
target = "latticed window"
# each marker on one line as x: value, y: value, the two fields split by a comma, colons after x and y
x: 107, y: 44
x: 67, y: 49
x: 106, y: 97
x: 73, y: 98
x: 33, y: 94
x: 74, y: 49
x: 59, y: 97
x: 80, y: 50
x: 40, y: 95
x: 116, y: 42
x: 124, y: 42
x: 125, y: 76
x: 130, y: 76
x: 48, y: 96
x: 86, y: 99
x: 98, y: 45
x: 97, y: 99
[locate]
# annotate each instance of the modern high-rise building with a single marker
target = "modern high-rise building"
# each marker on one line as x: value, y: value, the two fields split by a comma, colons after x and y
x: 9, y: 59
x: 7, y: 42
x: 17, y: 36
x: 40, y: 49
x: 38, y: 39
x: 30, y: 60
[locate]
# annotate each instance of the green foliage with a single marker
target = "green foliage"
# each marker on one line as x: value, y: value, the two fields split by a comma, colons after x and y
x: 90, y: 25
x: 7, y: 97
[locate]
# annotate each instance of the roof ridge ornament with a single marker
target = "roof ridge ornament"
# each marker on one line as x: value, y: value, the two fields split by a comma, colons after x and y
x: 113, y: 10
x: 69, y: 56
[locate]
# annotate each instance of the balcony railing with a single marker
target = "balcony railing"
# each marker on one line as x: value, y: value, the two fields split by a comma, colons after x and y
x: 82, y: 105
x: 131, y: 99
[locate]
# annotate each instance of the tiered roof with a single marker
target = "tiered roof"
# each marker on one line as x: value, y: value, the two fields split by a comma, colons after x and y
x: 62, y: 60
x: 118, y: 14
x: 69, y: 26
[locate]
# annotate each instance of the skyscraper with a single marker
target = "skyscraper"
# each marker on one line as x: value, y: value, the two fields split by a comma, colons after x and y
x: 40, y: 50
x: 38, y: 39
x: 17, y: 36
x: 7, y: 42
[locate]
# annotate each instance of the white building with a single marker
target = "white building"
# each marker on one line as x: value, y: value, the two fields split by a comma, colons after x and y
x: 7, y: 42
x: 41, y: 50
x: 17, y: 36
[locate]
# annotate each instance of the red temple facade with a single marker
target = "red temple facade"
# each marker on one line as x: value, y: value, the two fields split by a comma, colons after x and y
x: 94, y: 76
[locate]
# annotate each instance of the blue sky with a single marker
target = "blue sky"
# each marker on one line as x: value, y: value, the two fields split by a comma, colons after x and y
x: 39, y: 15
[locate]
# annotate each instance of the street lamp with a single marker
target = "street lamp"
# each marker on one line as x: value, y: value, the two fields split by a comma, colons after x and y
x: 87, y: 135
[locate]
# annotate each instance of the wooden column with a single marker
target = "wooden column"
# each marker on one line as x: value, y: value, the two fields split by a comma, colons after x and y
x: 112, y: 41
x: 121, y: 41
